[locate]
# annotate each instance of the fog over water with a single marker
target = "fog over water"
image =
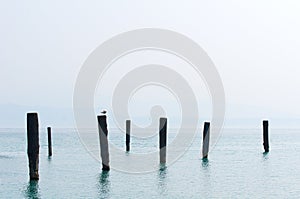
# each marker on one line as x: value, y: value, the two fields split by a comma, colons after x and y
x: 253, y: 44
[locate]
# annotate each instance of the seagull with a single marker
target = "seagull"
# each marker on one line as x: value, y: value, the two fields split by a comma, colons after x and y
x: 103, y: 111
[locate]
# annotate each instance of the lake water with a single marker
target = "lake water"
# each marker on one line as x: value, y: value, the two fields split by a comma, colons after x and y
x: 236, y: 168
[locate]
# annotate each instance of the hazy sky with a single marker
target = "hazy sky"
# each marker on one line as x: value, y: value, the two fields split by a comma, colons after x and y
x: 254, y: 44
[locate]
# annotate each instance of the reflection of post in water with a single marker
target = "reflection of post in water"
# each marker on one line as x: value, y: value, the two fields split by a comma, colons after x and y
x: 32, y: 190
x: 162, y: 171
x: 104, y: 184
x: 162, y: 175
x: 205, y: 178
x: 205, y: 163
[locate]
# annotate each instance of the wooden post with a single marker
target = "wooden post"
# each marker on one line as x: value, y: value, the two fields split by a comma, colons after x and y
x: 205, y: 140
x: 49, y: 142
x: 266, y: 135
x: 127, y: 135
x: 162, y: 139
x: 103, y: 132
x: 33, y: 145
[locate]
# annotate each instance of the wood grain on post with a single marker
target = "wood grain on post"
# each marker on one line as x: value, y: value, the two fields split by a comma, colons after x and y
x: 162, y: 139
x: 128, y: 135
x: 205, y: 140
x: 33, y: 145
x: 266, y: 135
x: 49, y: 142
x: 103, y: 133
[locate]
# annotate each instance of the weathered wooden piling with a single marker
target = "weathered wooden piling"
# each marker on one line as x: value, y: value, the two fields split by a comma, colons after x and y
x: 49, y: 142
x: 33, y: 145
x: 205, y: 140
x: 103, y: 132
x: 266, y: 135
x: 128, y: 135
x: 162, y: 139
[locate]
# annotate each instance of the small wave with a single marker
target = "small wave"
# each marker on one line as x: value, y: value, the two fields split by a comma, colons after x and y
x: 5, y: 157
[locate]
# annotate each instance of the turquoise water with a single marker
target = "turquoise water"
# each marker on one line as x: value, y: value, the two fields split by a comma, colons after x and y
x: 237, y: 168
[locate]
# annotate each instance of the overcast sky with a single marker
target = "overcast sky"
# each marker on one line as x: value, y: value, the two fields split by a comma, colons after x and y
x: 254, y: 44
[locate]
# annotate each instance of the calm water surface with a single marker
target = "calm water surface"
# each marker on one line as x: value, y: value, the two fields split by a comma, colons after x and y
x: 236, y: 168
